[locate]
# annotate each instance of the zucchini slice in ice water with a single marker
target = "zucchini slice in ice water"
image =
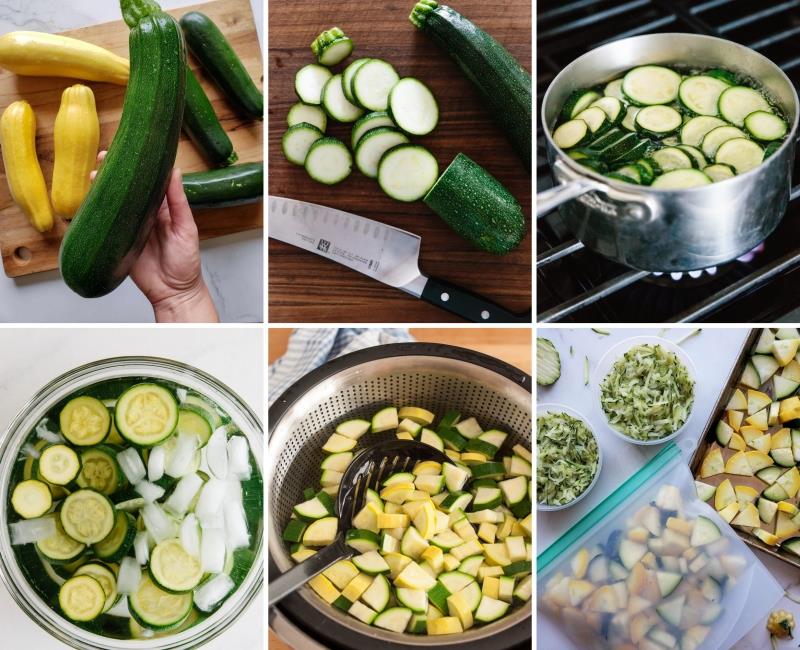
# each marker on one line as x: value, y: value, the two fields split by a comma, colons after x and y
x: 105, y: 576
x: 31, y: 499
x: 648, y: 85
x: 407, y: 172
x: 719, y: 172
x: 736, y: 103
x: 765, y: 126
x: 347, y: 78
x: 413, y: 107
x: 85, y: 421
x: 700, y: 94
x: 571, y: 134
x: 309, y: 114
x: 373, y: 145
x: 156, y: 609
x: 741, y: 154
x: 329, y: 161
x: 681, y: 179
x: 191, y: 422
x: 82, y: 598
x: 59, y: 464
x: 309, y: 82
x: 87, y: 516
x: 60, y: 548
x: 658, y: 121
x: 146, y: 414
x: 548, y: 362
x: 336, y: 104
x: 114, y: 546
x: 332, y: 46
x: 366, y: 123
x: 173, y: 568
x: 372, y: 83
x: 100, y: 470
x: 298, y: 140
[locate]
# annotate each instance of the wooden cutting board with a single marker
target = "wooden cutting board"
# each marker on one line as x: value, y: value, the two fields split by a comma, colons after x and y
x: 306, y: 288
x: 24, y: 250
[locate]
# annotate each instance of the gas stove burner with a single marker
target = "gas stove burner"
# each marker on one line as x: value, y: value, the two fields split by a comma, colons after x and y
x: 669, y: 279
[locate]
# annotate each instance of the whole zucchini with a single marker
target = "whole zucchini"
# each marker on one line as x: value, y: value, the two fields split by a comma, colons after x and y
x: 203, y: 127
x: 477, y: 206
x: 76, y: 137
x: 216, y: 55
x: 116, y: 217
x: 23, y: 172
x: 235, y: 185
x: 503, y: 82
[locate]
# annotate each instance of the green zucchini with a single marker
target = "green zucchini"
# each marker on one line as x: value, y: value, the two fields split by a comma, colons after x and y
x: 115, y: 219
x: 216, y: 55
x: 234, y: 185
x: 202, y: 125
x: 503, y: 82
x: 477, y: 206
x: 332, y: 46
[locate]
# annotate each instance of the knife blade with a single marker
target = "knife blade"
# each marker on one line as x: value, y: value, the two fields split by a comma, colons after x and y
x: 382, y: 252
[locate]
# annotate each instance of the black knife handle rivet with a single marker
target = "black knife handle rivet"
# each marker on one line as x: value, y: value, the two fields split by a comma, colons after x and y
x: 445, y: 297
x: 485, y: 315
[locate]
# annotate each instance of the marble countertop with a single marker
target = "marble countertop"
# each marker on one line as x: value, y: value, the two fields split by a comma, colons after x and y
x: 32, y: 358
x: 232, y: 265
x: 713, y: 352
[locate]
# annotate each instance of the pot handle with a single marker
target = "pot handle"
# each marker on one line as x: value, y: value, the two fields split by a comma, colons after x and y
x: 574, y: 187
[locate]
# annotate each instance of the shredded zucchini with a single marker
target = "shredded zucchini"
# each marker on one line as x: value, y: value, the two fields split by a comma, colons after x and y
x: 567, y: 458
x: 648, y: 394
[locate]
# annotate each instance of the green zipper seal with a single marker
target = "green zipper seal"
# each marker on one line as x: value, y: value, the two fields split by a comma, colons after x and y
x: 622, y: 493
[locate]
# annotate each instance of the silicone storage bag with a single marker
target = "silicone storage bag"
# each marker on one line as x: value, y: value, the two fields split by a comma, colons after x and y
x: 652, y: 567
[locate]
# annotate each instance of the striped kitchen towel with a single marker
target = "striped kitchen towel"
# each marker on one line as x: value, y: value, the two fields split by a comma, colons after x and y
x: 311, y: 347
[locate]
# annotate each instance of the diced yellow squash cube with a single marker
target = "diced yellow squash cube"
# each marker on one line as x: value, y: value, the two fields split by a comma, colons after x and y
x: 527, y: 526
x: 788, y: 507
x: 496, y: 554
x: 737, y: 464
x: 680, y: 525
x: 473, y: 458
x: 413, y: 576
x: 724, y: 495
x: 785, y: 527
x: 357, y: 586
x: 759, y: 419
x: 506, y: 528
x: 457, y: 606
x: 750, y: 433
x: 491, y: 587
x: 762, y: 443
x: 427, y: 467
x: 404, y: 435
x: 452, y: 454
x: 397, y: 562
x: 425, y: 520
x: 451, y: 563
x: 341, y: 573
x: 729, y: 512
x: 713, y: 463
x: 465, y: 550
x: 444, y: 625
x: 516, y: 548
x: 766, y: 537
x: 486, y: 571
x: 737, y: 442
x: 737, y: 401
x: 757, y: 460
x: 784, y: 350
x: 790, y: 481
x: 392, y: 521
x: 303, y: 554
x: 337, y: 443
x: 324, y: 588
x: 748, y: 516
x: 745, y: 494
x: 781, y: 439
x: 487, y: 532
x: 790, y: 409
x: 756, y: 400
x: 735, y: 417
x: 397, y: 492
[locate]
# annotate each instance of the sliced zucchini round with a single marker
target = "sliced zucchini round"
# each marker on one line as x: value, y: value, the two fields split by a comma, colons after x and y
x: 719, y: 172
x: 572, y: 134
x: 336, y: 103
x: 332, y: 46
x: 695, y: 153
x: 700, y: 94
x: 59, y: 465
x: 31, y: 499
x: 578, y: 101
x: 100, y: 470
x: 329, y: 161
x: 651, y: 84
x: 156, y: 609
x: 146, y: 414
x: 659, y: 121
x: 413, y: 107
x: 368, y: 122
x: 612, y: 107
x: 87, y: 516
x: 173, y: 568
x: 309, y: 82
x: 695, y: 129
x: 105, y: 576
x: 373, y: 145
x: 741, y: 154
x: 82, y: 598
x: 347, y: 78
x: 407, y: 172
x: 60, y: 548
x: 114, y: 546
x: 681, y: 179
x: 765, y: 126
x: 596, y: 119
x: 307, y: 113
x: 85, y: 421
x: 716, y: 137
x: 670, y: 158
x: 737, y: 102
x: 372, y: 83
x: 191, y: 422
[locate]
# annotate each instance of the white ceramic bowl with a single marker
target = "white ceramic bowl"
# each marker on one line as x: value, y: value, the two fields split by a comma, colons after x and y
x: 560, y: 408
x: 615, y: 353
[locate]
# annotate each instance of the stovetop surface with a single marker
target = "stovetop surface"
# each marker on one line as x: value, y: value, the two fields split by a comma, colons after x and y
x: 763, y: 289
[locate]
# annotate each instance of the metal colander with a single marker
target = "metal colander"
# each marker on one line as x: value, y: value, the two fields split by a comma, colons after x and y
x: 435, y: 377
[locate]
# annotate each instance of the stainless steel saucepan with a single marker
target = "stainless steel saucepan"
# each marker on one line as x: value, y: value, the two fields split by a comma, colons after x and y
x: 669, y: 230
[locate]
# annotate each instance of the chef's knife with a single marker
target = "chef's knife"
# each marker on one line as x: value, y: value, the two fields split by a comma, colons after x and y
x: 382, y: 252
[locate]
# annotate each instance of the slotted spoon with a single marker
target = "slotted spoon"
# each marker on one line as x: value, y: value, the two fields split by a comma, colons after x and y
x: 367, y: 469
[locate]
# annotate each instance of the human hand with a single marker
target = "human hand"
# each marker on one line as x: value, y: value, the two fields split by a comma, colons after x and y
x: 168, y: 270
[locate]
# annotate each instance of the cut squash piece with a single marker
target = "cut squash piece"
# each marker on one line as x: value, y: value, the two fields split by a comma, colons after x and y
x: 737, y: 464
x: 792, y: 371
x: 729, y: 512
x: 759, y: 419
x: 748, y: 516
x: 737, y: 402
x: 757, y: 460
x: 784, y: 350
x: 790, y: 409
x: 444, y: 625
x: 737, y: 442
x: 750, y: 377
x: 756, y: 400
x: 724, y: 433
x: 725, y: 495
x: 774, y: 413
x: 783, y: 386
x: 766, y: 537
x: 785, y: 526
x: 735, y: 417
x: 765, y: 341
x: 745, y: 495
x: 762, y: 443
x: 750, y: 433
x: 781, y: 439
x: 712, y: 464
x: 765, y: 366
x: 790, y: 481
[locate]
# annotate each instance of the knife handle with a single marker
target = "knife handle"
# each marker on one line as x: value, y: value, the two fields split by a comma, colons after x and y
x: 468, y: 305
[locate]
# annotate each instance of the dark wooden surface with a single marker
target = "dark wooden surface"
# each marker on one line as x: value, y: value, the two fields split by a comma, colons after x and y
x: 26, y: 251
x: 306, y: 288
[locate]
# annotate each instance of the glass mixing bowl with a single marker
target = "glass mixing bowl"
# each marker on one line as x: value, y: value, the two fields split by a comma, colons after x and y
x: 19, y: 430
